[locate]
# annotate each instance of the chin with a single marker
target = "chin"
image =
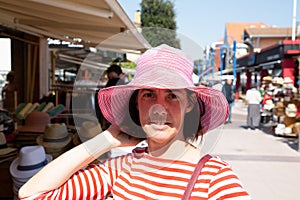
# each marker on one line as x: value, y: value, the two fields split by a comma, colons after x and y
x: 160, y: 136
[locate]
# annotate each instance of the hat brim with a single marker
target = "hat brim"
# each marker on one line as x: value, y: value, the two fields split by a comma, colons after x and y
x: 114, y: 104
x: 7, y: 150
x: 31, y: 129
x: 54, y: 145
x: 24, y: 174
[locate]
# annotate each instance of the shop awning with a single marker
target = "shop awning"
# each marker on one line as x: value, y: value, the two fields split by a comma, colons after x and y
x: 88, y: 22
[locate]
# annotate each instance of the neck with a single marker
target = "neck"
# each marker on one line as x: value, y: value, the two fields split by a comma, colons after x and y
x: 177, y: 150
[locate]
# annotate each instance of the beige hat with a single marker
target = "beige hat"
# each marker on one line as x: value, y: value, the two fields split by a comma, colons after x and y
x: 267, y: 78
x: 278, y: 80
x: 4, y: 149
x: 291, y: 110
x: 55, y: 137
x: 88, y: 130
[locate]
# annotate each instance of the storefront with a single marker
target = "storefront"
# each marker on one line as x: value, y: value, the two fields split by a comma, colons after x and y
x: 29, y: 24
x: 279, y: 60
x: 276, y: 70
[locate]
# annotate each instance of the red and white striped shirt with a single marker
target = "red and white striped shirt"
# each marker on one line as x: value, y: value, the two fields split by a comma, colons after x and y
x: 147, y: 177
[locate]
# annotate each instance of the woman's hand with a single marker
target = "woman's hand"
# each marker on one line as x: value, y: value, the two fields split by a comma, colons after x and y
x: 122, y: 139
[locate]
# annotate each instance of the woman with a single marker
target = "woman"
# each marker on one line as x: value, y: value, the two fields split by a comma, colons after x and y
x: 9, y: 93
x: 162, y: 105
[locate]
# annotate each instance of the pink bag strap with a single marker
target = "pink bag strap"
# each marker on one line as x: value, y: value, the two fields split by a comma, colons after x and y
x: 194, y: 177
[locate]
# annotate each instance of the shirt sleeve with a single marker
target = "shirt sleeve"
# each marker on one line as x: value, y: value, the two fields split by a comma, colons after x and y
x: 226, y: 185
x: 93, y: 182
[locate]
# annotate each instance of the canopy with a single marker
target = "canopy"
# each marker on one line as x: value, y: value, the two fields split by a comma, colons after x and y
x: 88, y: 22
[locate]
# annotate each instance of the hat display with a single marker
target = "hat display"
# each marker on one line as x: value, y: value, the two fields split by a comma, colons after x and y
x: 278, y: 80
x: 287, y: 130
x: 30, y: 160
x: 6, y: 153
x: 279, y: 130
x: 267, y: 78
x: 291, y: 110
x: 163, y: 67
x: 35, y: 122
x: 287, y: 80
x: 56, y: 139
x: 48, y: 107
x: 88, y: 130
x: 271, y: 87
x: 23, y: 113
x: 296, y: 128
x: 269, y: 105
x: 279, y: 109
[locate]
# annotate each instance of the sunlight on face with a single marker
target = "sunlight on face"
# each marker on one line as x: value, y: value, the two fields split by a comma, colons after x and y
x: 161, y: 113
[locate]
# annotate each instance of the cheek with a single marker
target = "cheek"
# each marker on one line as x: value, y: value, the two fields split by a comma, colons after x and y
x: 143, y: 112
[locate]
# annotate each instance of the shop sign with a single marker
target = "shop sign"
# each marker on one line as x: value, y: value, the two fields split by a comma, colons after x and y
x: 54, y: 43
x: 270, y: 55
x: 248, y: 60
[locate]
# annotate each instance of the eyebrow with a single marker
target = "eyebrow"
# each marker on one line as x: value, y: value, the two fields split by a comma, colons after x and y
x: 167, y: 90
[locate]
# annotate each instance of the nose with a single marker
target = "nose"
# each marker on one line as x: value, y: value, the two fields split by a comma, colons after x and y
x: 158, y: 113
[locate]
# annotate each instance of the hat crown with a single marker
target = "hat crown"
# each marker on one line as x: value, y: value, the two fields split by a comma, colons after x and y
x: 269, y: 102
x: 90, y: 129
x: 30, y: 155
x: 164, y: 67
x: 34, y: 117
x: 291, y: 106
x: 55, y: 131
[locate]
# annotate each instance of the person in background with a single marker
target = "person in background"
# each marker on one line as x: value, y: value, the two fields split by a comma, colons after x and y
x: 115, y: 77
x: 162, y: 105
x: 253, y: 98
x: 9, y: 93
x: 228, y: 92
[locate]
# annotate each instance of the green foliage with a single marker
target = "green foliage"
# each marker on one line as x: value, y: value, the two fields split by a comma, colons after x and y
x: 158, y: 22
x: 128, y: 65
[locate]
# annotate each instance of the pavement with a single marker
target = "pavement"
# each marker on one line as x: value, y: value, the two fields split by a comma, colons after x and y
x: 267, y: 165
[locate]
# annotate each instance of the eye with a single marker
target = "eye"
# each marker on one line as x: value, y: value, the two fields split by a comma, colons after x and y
x: 148, y: 95
x: 173, y: 96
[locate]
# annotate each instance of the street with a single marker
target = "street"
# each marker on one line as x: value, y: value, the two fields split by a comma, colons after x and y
x: 268, y: 165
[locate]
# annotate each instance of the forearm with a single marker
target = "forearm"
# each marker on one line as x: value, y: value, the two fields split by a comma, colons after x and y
x: 57, y: 172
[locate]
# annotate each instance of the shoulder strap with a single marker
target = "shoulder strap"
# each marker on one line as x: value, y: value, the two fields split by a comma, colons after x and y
x: 194, y: 177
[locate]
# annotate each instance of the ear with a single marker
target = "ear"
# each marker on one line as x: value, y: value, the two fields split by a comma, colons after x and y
x: 191, y: 103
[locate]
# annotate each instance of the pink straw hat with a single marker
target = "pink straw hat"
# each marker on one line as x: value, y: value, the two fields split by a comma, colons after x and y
x: 163, y: 67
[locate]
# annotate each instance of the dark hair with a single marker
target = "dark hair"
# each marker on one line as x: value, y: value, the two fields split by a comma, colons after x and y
x: 115, y: 68
x: 190, y: 130
x: 10, y: 76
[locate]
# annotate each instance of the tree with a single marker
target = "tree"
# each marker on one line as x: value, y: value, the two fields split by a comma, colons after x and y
x: 158, y: 22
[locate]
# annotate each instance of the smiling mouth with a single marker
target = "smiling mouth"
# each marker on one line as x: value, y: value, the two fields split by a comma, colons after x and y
x: 159, y: 125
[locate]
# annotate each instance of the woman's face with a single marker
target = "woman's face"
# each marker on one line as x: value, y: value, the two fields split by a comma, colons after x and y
x: 161, y: 113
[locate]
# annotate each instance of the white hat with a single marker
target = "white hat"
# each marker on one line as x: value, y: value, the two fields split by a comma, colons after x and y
x: 287, y: 130
x: 280, y: 128
x: 29, y: 162
x: 291, y: 110
x: 287, y: 80
x: 269, y: 105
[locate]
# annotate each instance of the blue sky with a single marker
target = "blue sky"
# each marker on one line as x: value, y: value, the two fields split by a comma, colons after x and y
x: 204, y: 21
